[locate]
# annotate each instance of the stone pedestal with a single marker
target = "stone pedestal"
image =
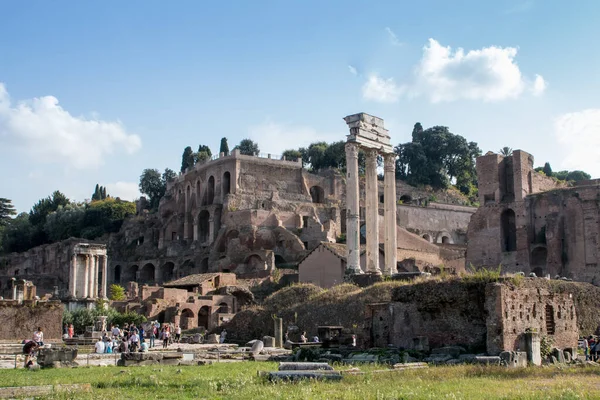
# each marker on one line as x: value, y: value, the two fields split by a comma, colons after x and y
x: 278, y: 322
x: 533, y: 348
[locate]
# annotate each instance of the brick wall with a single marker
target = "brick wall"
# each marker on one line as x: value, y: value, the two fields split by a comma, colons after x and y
x: 19, y: 321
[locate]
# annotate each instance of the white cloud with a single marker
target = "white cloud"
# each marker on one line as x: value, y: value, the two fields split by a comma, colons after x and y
x: 488, y: 74
x: 125, y: 190
x: 393, y: 37
x: 352, y: 70
x: 381, y: 90
x: 539, y: 85
x: 48, y: 132
x: 275, y: 138
x: 579, y: 138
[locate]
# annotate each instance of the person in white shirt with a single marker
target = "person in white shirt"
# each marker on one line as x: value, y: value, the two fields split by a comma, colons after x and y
x: 223, y: 336
x: 134, y: 341
x: 38, y: 336
x: 99, y: 346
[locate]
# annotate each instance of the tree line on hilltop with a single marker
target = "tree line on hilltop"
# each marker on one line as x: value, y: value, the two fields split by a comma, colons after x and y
x: 55, y: 218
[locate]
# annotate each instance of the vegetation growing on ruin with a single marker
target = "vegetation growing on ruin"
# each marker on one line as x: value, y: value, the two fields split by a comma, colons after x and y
x: 241, y: 381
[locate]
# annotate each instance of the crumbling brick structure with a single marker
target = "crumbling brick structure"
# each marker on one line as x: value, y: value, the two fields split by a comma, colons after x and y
x: 492, y: 317
x: 532, y: 223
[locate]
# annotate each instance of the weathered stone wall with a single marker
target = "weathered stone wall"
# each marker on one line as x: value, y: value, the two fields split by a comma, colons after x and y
x: 531, y: 306
x: 19, y: 321
x: 436, y: 222
x: 478, y: 316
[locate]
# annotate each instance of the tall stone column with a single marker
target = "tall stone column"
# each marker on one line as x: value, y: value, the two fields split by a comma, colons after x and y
x: 389, y: 202
x: 372, y: 213
x: 96, y: 264
x: 352, y: 211
x: 195, y: 233
x: 104, y: 275
x: 73, y: 276
x: 86, y: 277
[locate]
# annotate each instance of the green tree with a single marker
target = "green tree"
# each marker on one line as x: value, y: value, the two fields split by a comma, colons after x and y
x: 105, y: 216
x: 187, y: 159
x: 99, y: 193
x: 576, y: 176
x: 117, y: 292
x: 547, y: 169
x: 202, y: 156
x: 38, y: 213
x: 291, y: 155
x: 224, y: 148
x: 17, y: 234
x: 316, y: 155
x: 204, y: 149
x: 506, y: 151
x: 153, y: 186
x: 7, y: 210
x: 66, y: 222
x: 248, y: 147
x: 438, y: 158
x: 168, y: 176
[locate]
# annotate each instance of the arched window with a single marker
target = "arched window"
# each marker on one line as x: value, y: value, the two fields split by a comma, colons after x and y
x: 317, y: 194
x: 223, y: 308
x: 210, y: 191
x: 509, y: 231
x: 147, y: 273
x: 203, y: 226
x: 117, y: 276
x: 204, y: 266
x: 226, y: 183
x: 427, y: 237
x: 167, y: 271
x: 538, y: 260
x: 203, y: 317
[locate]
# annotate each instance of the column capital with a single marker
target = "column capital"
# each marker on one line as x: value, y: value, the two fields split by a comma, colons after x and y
x: 351, y: 150
x: 389, y: 162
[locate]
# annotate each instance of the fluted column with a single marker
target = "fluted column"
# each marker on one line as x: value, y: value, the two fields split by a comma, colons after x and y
x: 96, y: 269
x: 86, y: 277
x: 389, y: 200
x: 104, y: 275
x: 73, y: 276
x: 372, y: 213
x: 352, y: 212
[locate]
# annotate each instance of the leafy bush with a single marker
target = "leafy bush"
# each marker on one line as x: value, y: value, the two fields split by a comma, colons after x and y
x: 117, y: 292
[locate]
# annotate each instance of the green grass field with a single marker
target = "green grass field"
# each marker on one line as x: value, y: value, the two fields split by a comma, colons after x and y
x: 240, y: 381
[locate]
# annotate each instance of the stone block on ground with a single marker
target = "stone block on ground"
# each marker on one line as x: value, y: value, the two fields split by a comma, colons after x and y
x: 558, y: 353
x: 572, y: 351
x: 304, y: 366
x: 56, y: 358
x: 487, y: 360
x: 514, y: 359
x: 302, y: 375
x: 257, y: 347
x: 453, y: 351
x: 268, y: 341
x: 213, y: 338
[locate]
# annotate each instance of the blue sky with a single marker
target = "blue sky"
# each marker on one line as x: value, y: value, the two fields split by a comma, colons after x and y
x: 94, y: 92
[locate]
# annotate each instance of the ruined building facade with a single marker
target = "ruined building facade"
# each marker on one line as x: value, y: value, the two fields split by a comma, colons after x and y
x: 532, y: 223
x: 242, y: 214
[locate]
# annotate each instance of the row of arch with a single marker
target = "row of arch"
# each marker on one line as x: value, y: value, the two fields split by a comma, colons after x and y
x: 148, y: 273
x: 189, y: 320
x: 209, y: 194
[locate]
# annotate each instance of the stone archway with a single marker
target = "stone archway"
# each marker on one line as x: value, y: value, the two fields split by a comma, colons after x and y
x: 226, y: 183
x: 133, y: 274
x: 223, y: 308
x: 204, y: 266
x: 188, y: 319
x: 539, y: 257
x: 317, y: 194
x: 210, y: 191
x: 147, y: 274
x: 117, y: 274
x: 203, y: 226
x: 255, y: 263
x: 204, y: 317
x: 427, y: 237
x: 168, y: 270
x: 509, y: 230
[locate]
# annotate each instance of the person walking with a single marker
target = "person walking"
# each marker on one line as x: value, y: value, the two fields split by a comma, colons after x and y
x: 165, y: 337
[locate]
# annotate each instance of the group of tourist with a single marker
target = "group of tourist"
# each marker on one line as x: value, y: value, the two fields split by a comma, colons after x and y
x: 131, y: 338
x: 591, y: 348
